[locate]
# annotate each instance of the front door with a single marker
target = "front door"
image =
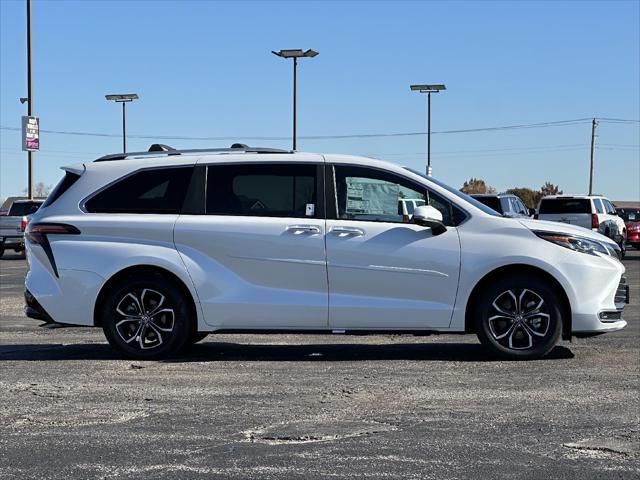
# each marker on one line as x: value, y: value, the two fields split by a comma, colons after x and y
x: 384, y: 272
x: 257, y: 254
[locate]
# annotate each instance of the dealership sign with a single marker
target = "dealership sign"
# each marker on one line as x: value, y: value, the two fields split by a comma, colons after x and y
x: 30, y: 134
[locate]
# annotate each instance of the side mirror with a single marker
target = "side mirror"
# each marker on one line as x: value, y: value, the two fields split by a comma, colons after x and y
x: 428, y: 216
x: 532, y: 211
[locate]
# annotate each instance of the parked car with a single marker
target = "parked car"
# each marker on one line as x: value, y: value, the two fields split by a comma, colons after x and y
x: 507, y: 204
x: 160, y: 248
x: 594, y: 212
x: 12, y: 226
x: 631, y: 217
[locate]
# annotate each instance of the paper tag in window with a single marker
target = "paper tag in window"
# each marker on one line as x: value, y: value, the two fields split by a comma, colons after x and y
x: 310, y: 210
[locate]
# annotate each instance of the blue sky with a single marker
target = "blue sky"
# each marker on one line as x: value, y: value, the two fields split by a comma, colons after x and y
x: 204, y: 69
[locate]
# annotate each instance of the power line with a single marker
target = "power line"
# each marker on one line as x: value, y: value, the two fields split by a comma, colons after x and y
x: 559, y: 123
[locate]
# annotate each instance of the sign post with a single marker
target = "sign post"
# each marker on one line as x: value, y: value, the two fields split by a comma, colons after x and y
x: 30, y: 134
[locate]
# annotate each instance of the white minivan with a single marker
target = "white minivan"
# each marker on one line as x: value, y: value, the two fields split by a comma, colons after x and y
x: 161, y: 248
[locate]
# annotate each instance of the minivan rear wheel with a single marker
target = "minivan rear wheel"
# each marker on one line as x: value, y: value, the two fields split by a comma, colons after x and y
x: 146, y: 318
x: 519, y: 317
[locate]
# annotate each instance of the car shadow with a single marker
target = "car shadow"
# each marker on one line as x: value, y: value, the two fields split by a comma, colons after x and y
x: 235, y: 352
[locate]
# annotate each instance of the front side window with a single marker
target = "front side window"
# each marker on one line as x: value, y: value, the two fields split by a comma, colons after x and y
x: 364, y: 194
x: 159, y: 190
x: 276, y: 190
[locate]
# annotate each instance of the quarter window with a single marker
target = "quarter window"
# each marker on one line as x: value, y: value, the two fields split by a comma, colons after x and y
x: 148, y: 191
x: 275, y: 190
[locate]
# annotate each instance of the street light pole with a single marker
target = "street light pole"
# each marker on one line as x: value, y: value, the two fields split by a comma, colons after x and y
x: 29, y: 98
x: 428, y: 89
x: 123, y: 98
x: 429, y: 170
x: 124, y: 128
x: 295, y: 54
x: 295, y: 102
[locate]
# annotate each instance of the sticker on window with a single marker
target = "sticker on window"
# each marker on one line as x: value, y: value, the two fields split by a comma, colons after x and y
x: 310, y: 210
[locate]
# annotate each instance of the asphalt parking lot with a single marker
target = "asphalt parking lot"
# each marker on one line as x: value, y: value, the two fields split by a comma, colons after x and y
x: 306, y: 407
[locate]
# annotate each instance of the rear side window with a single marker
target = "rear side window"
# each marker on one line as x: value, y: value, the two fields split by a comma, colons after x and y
x: 565, y: 205
x: 598, y: 204
x: 62, y: 186
x: 276, y: 190
x: 491, y: 202
x: 147, y: 191
x: 19, y: 209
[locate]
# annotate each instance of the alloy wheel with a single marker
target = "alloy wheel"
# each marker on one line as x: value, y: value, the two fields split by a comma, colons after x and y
x: 519, y: 319
x: 146, y: 319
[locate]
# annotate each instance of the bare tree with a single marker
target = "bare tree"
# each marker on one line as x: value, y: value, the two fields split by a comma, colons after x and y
x: 476, y: 185
x: 39, y: 190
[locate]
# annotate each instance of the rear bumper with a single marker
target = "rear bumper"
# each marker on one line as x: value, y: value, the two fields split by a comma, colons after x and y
x: 33, y: 309
x: 12, y: 242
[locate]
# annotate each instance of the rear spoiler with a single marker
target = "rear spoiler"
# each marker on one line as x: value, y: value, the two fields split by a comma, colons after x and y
x: 78, y: 169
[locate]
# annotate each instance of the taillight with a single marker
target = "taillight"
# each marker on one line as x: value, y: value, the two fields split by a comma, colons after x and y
x: 595, y: 223
x: 24, y: 223
x: 37, y: 232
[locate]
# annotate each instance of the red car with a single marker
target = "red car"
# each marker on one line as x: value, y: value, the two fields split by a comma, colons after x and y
x: 631, y: 217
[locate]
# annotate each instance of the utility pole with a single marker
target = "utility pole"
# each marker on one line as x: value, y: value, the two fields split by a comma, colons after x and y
x: 594, y: 124
x: 29, y: 96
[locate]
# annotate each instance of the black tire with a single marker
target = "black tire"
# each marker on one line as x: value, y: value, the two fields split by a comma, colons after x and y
x: 147, y: 335
x: 519, y: 335
x: 197, y: 337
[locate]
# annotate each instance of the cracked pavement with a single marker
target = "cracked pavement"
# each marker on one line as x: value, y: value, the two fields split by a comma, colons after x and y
x: 307, y: 407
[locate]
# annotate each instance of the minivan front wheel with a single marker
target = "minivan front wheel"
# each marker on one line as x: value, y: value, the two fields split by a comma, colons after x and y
x: 519, y: 317
x: 146, y: 318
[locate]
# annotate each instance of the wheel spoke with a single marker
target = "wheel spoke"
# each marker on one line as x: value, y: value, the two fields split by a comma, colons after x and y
x: 134, y: 308
x: 519, y: 328
x: 165, y: 321
x: 150, y: 306
x: 132, y: 334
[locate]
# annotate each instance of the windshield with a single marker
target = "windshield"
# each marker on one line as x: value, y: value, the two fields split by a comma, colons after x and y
x: 457, y: 193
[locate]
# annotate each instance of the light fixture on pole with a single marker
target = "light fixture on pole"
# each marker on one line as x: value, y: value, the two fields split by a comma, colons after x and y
x: 123, y: 98
x: 428, y: 89
x: 295, y: 54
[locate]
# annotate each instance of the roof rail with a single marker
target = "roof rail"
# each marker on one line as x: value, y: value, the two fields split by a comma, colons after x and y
x: 158, y: 149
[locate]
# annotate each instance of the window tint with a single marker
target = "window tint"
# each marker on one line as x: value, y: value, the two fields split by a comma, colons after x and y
x: 491, y: 202
x: 372, y: 195
x: 147, y: 191
x: 565, y: 205
x: 62, y: 186
x: 276, y: 190
x: 19, y: 209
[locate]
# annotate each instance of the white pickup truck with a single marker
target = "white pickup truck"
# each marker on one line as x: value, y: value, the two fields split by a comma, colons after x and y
x: 594, y: 212
x: 13, y: 224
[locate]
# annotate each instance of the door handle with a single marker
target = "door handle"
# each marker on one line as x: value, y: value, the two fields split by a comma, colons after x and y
x: 344, y: 231
x: 303, y: 229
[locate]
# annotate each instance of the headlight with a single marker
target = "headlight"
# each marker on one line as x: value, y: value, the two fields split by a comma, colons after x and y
x: 578, y: 244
